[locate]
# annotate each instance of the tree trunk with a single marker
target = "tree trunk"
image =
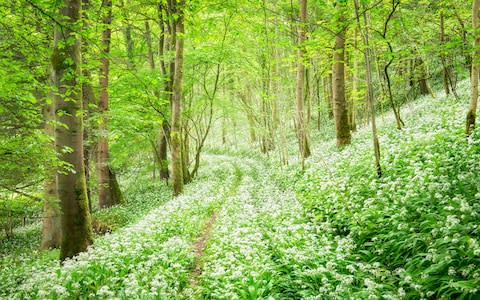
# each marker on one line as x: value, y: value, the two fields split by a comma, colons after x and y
x: 162, y: 151
x: 166, y: 96
x: 355, y: 85
x: 300, y: 120
x: 340, y: 110
x: 88, y: 98
x: 148, y: 39
x: 52, y: 223
x: 422, y: 77
x: 107, y: 193
x: 370, y: 93
x: 396, y: 111
x: 72, y: 192
x: 442, y: 56
x: 465, y: 46
x: 472, y: 113
x: 176, y: 134
x: 127, y: 34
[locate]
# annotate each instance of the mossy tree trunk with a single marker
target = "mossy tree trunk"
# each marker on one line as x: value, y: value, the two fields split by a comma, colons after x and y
x: 72, y: 192
x: 176, y: 130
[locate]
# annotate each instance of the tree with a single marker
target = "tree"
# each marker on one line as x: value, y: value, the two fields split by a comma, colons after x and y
x: 72, y: 191
x: 396, y: 111
x: 51, y: 225
x: 368, y: 68
x: 472, y: 113
x: 108, y: 192
x: 175, y: 133
x: 340, y: 110
x: 300, y: 117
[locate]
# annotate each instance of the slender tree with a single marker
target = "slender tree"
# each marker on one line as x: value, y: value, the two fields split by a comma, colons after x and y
x: 108, y: 191
x: 88, y: 98
x: 472, y: 113
x: 300, y: 116
x: 72, y: 192
x: 175, y: 133
x: 163, y: 45
x: 396, y: 110
x: 368, y: 68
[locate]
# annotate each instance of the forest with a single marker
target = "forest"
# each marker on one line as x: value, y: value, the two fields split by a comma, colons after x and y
x: 239, y: 149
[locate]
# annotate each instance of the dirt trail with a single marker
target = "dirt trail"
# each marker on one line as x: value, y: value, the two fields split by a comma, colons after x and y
x: 199, y: 249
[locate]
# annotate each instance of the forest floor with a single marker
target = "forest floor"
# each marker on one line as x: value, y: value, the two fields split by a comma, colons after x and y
x: 248, y: 228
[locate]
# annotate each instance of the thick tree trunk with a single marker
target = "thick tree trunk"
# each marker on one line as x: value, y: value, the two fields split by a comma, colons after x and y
x: 370, y: 93
x: 422, y: 77
x: 340, y: 111
x: 300, y: 116
x: 176, y: 134
x: 72, y: 192
x: 472, y: 113
x: 52, y: 223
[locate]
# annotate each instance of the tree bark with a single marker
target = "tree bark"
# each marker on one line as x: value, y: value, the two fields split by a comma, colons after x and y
x: 107, y: 185
x: 472, y: 112
x: 162, y: 151
x: 442, y: 42
x: 176, y: 134
x: 422, y: 77
x: 52, y: 223
x: 88, y: 98
x: 166, y: 95
x: 355, y: 85
x: 340, y: 111
x: 72, y: 192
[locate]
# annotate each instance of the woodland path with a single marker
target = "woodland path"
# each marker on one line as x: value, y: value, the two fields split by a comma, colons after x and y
x: 244, y: 239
